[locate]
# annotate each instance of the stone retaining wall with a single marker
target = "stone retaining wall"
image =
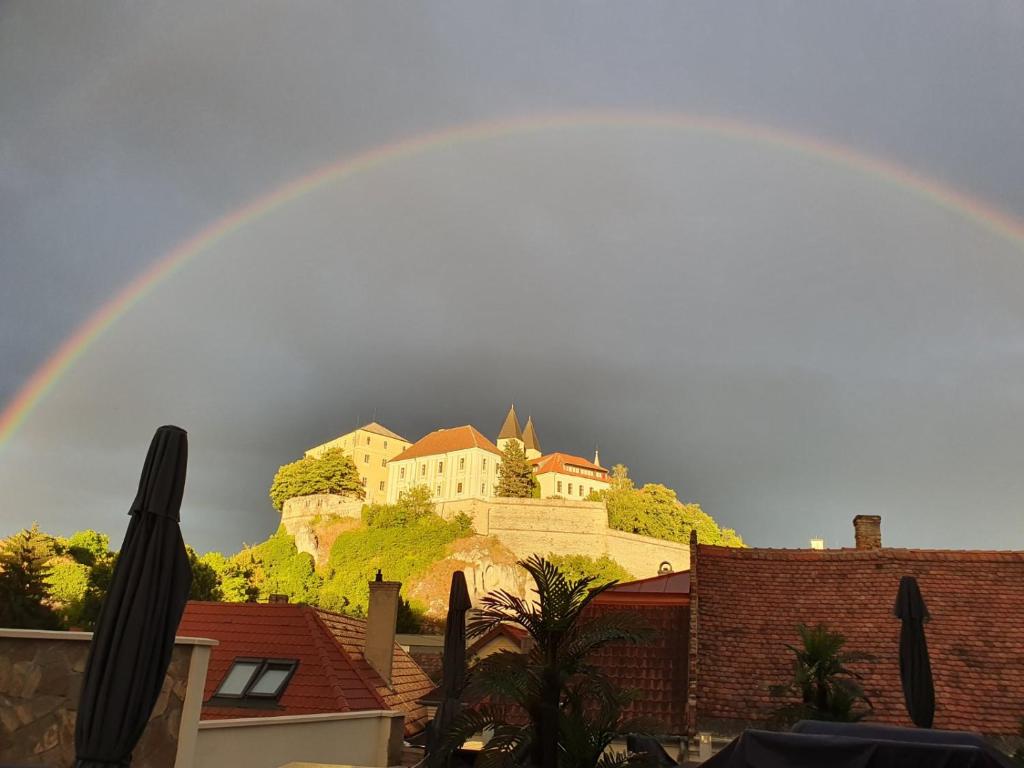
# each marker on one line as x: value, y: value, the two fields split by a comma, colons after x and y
x: 40, y: 682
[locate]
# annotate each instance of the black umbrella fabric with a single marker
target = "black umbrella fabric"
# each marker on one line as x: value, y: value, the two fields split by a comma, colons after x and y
x: 915, y: 667
x: 131, y: 647
x: 453, y: 669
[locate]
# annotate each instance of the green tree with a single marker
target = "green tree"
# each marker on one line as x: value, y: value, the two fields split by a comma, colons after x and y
x: 23, y: 573
x: 602, y: 570
x: 331, y: 472
x: 205, y: 582
x: 412, y: 506
x: 87, y: 547
x: 823, y: 686
x: 572, y: 711
x: 515, y: 473
x: 234, y: 578
x: 279, y: 568
x: 654, y: 510
x: 66, y: 581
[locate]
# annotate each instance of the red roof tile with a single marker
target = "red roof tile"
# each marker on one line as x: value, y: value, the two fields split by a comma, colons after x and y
x: 748, y: 602
x: 654, y: 670
x: 446, y: 440
x: 332, y: 674
x: 567, y: 464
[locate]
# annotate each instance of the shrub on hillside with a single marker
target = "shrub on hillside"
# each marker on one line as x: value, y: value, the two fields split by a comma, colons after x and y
x: 400, y: 552
x: 412, y: 506
x: 278, y: 568
x: 331, y: 472
x: 654, y: 510
x: 600, y: 571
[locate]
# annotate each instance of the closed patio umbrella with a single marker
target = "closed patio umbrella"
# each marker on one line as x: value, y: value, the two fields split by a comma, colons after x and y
x: 453, y: 669
x: 131, y: 647
x: 915, y: 666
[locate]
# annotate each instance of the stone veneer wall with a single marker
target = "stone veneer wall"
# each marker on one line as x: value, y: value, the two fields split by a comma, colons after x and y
x: 565, y: 527
x: 40, y: 682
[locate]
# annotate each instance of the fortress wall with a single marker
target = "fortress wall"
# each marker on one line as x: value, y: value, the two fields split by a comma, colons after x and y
x: 641, y: 555
x: 299, y: 513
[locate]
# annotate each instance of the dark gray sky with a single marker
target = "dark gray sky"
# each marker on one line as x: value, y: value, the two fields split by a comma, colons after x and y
x: 784, y: 341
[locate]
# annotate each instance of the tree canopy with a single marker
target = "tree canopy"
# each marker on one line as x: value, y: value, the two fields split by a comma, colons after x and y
x: 24, y: 559
x: 654, y: 510
x: 600, y: 571
x: 515, y: 474
x: 331, y: 472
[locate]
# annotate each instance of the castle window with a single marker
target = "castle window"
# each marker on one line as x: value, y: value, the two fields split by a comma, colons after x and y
x: 401, y: 473
x: 382, y: 485
x: 559, y: 489
x: 383, y: 462
x: 570, y: 489
x: 366, y: 458
x: 483, y: 486
x: 485, y: 465
x: 462, y: 462
x: 459, y: 490
x: 591, y: 489
x: 367, y: 441
x: 385, y: 444
x: 363, y: 481
x: 438, y: 491
x: 440, y: 467
x: 423, y: 471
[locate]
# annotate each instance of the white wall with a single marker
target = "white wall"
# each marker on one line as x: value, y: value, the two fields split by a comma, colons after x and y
x: 372, y: 738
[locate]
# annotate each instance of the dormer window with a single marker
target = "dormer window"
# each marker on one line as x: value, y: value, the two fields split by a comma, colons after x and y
x: 255, y: 682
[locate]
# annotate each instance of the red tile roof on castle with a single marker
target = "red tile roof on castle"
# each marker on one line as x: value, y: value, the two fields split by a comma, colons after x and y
x: 567, y: 464
x: 332, y: 674
x: 747, y: 604
x: 446, y: 440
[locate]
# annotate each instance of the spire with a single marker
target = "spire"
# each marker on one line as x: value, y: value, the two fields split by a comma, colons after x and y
x: 597, y: 456
x: 510, y: 429
x: 530, y: 435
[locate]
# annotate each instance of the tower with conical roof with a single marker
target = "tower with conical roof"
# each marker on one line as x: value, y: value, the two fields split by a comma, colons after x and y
x: 530, y: 441
x: 510, y: 431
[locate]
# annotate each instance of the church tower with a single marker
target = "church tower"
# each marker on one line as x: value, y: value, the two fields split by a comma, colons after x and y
x: 530, y: 440
x: 510, y: 430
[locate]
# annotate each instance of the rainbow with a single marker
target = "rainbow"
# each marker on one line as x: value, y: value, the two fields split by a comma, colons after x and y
x: 74, y: 346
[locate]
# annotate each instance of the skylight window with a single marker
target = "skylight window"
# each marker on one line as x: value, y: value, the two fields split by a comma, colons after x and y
x: 256, y: 679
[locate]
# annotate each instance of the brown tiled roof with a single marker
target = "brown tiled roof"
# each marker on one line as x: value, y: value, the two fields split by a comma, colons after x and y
x: 446, y: 440
x: 748, y: 602
x: 378, y: 429
x: 530, y: 435
x: 676, y: 584
x: 332, y: 674
x: 513, y: 632
x: 510, y: 427
x: 408, y: 682
x: 564, y: 462
x: 654, y: 670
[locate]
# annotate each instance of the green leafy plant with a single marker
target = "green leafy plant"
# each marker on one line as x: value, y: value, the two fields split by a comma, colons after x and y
x: 515, y: 473
x: 654, y: 510
x: 330, y: 472
x: 412, y: 506
x: 552, y: 708
x: 601, y: 570
x: 823, y: 686
x: 279, y: 568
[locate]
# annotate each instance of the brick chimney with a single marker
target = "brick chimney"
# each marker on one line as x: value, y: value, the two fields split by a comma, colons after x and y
x: 275, y: 598
x: 867, y: 531
x: 381, y: 617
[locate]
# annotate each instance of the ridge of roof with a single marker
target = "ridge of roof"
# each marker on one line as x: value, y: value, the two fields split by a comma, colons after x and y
x: 446, y: 440
x: 379, y: 429
x: 510, y: 427
x: 552, y: 462
x: 314, y: 613
x: 852, y: 553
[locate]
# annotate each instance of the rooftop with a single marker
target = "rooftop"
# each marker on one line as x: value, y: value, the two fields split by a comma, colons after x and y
x: 442, y: 441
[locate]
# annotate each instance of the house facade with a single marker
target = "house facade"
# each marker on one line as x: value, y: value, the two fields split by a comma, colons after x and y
x: 371, y: 447
x: 455, y: 463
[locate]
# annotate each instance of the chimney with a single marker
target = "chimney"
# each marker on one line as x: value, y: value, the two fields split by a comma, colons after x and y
x: 817, y: 543
x: 867, y: 531
x: 275, y: 598
x: 381, y: 617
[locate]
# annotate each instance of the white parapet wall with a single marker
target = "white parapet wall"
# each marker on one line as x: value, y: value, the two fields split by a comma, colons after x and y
x: 371, y: 738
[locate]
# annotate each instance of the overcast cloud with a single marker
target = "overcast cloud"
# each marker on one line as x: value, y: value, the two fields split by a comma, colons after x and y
x: 783, y: 341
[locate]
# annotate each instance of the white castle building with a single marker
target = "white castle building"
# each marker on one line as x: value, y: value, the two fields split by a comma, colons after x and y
x: 461, y: 463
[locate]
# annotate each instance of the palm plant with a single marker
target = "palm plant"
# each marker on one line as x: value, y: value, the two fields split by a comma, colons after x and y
x: 826, y: 687
x: 551, y: 708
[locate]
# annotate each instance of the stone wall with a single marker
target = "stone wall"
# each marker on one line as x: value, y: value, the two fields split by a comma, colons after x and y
x: 304, y: 516
x: 40, y: 682
x: 565, y: 527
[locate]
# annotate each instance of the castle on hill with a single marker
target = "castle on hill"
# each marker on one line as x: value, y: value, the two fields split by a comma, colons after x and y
x: 459, y: 463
